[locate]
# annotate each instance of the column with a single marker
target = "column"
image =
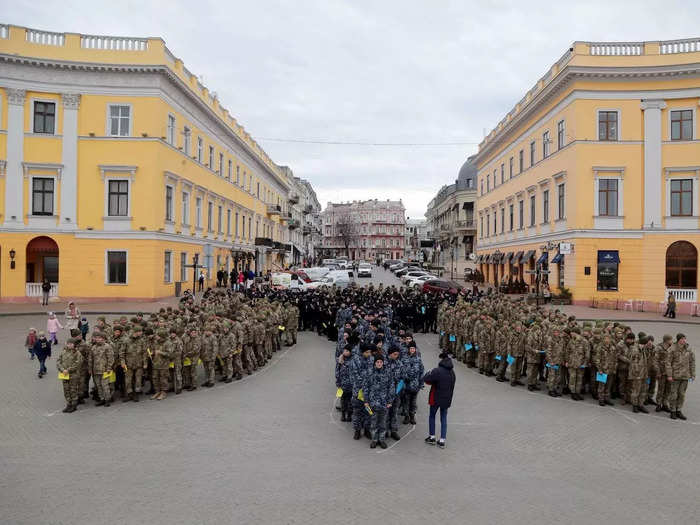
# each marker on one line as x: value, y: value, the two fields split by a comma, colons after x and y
x: 652, y: 162
x: 69, y: 177
x: 14, y: 177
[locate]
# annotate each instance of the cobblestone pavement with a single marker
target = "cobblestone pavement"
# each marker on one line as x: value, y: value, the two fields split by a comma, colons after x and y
x: 271, y: 449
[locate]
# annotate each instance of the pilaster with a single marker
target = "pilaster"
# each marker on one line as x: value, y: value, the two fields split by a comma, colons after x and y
x: 69, y: 180
x: 15, y: 155
x: 652, y: 162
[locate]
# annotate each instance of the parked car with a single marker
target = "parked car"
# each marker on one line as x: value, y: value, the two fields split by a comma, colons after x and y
x: 406, y: 269
x: 412, y: 273
x: 364, y: 270
x: 417, y: 282
x: 338, y: 280
x: 389, y: 262
x: 442, y: 285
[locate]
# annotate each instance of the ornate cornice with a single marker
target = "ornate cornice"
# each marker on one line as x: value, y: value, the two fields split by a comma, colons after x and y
x: 573, y: 73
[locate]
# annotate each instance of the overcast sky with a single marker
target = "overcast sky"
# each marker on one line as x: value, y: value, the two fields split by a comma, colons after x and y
x: 368, y: 71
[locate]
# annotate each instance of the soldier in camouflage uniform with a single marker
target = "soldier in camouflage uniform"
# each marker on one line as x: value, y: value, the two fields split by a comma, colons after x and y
x: 660, y: 367
x: 259, y: 341
x: 133, y: 360
x: 503, y: 343
x: 70, y: 363
x: 680, y: 368
x: 533, y: 355
x: 226, y: 352
x: 379, y: 395
x: 606, y: 363
x: 637, y: 369
x: 191, y: 351
x: 554, y: 359
x: 577, y: 355
x: 175, y: 349
x: 160, y: 357
x: 291, y: 324
x: 100, y: 360
x: 209, y: 352
x: 517, y: 352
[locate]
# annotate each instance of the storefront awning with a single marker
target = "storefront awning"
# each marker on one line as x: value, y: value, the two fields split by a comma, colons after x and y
x: 498, y: 258
x: 516, y: 258
x: 558, y: 258
x: 526, y: 258
x: 478, y: 259
x: 543, y: 258
x: 488, y: 259
x: 608, y: 256
x: 509, y: 256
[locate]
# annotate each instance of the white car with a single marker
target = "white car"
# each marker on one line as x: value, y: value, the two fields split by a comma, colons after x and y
x: 396, y: 266
x: 364, y: 270
x: 413, y: 273
x: 340, y: 281
x: 417, y: 282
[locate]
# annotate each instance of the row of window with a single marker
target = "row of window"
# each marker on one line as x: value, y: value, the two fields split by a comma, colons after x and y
x: 532, y: 221
x: 117, y: 267
x: 396, y: 243
x: 681, y: 128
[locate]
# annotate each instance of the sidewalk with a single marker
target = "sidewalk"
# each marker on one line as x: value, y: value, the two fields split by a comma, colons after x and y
x: 107, y: 307
x: 587, y: 313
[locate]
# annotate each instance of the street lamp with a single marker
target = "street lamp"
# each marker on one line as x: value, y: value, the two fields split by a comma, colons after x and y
x: 12, y: 258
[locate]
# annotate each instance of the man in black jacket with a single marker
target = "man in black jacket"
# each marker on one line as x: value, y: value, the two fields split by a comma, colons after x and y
x: 442, y: 384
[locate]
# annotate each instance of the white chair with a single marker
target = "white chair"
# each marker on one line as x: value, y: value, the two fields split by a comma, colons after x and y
x: 628, y: 304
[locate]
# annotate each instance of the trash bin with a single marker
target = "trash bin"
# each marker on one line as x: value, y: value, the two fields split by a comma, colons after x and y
x: 178, y: 289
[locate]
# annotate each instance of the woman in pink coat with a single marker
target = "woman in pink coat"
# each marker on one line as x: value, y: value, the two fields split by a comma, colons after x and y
x: 53, y: 325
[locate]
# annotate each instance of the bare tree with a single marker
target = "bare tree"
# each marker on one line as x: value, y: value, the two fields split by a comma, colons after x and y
x: 346, y: 229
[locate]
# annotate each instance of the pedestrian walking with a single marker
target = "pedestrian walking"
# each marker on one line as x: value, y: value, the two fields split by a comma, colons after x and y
x: 201, y: 280
x: 442, y: 384
x: 42, y: 351
x: 670, y: 307
x: 53, y: 325
x: 72, y: 316
x: 29, y: 342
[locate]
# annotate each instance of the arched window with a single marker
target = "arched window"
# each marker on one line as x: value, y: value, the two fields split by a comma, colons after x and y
x: 681, y: 265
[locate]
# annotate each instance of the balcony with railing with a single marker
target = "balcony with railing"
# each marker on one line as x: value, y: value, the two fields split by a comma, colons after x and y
x: 34, y: 290
x: 467, y: 224
x: 293, y: 197
x: 274, y: 209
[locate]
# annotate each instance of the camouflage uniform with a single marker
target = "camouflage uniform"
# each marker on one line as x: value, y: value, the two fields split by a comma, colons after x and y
x: 517, y: 352
x: 210, y: 348
x: 680, y: 367
x: 175, y: 349
x: 554, y: 360
x: 533, y: 356
x: 291, y: 324
x: 160, y: 357
x: 661, y: 376
x: 100, y: 360
x: 225, y: 353
x: 191, y: 351
x: 606, y: 363
x: 578, y: 353
x: 378, y: 392
x: 70, y: 361
x: 134, y: 360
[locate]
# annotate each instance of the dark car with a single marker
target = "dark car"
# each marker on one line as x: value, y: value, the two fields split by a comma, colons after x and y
x: 442, y: 285
x: 389, y: 262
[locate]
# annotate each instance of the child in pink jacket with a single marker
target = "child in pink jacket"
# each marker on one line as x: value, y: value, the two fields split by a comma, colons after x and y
x: 53, y: 325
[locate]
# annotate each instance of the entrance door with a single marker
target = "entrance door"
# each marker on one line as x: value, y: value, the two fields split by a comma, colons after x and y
x: 51, y: 268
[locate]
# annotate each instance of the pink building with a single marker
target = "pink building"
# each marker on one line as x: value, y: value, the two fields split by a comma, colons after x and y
x: 364, y: 230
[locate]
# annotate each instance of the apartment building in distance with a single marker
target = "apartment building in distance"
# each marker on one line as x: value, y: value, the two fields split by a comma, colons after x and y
x: 417, y: 243
x: 451, y: 223
x: 591, y: 181
x: 117, y: 167
x: 368, y: 230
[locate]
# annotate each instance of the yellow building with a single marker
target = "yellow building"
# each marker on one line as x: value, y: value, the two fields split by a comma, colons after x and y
x: 117, y: 166
x: 591, y: 180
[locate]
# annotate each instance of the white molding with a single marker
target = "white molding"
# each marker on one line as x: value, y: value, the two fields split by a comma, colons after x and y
x: 56, y: 103
x: 686, y: 223
x: 617, y: 174
x: 671, y: 173
x: 43, y: 222
x: 106, y: 279
x: 29, y: 167
x: 607, y: 222
x: 123, y: 169
x: 693, y: 128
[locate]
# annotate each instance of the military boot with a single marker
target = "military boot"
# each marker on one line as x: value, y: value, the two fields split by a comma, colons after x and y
x: 395, y: 436
x: 673, y: 415
x: 680, y: 415
x: 642, y: 409
x: 406, y: 420
x: 383, y: 444
x: 368, y: 434
x: 136, y: 397
x: 357, y: 435
x: 635, y: 409
x: 128, y: 397
x: 373, y: 444
x: 413, y: 419
x: 67, y: 409
x: 659, y: 408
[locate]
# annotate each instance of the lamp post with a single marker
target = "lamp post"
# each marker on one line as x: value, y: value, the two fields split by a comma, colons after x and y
x: 12, y: 258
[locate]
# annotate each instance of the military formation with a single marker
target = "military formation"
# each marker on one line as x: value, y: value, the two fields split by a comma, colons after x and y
x: 515, y: 342
x: 227, y: 335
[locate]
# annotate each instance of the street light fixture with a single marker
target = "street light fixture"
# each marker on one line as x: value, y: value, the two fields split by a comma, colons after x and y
x: 12, y: 258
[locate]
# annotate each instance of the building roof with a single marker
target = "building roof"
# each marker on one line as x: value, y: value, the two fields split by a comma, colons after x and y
x: 466, y: 172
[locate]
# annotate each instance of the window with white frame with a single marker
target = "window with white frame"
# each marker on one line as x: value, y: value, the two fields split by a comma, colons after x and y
x: 171, y: 130
x: 545, y: 144
x: 238, y: 175
x: 230, y: 169
x: 532, y: 153
x: 119, y: 120
x: 545, y: 206
x: 235, y: 226
x: 42, y: 195
x: 561, y: 135
x: 682, y: 124
x: 44, y: 117
x: 561, y: 198
x: 228, y: 222
x: 210, y: 216
x: 185, y: 208
x: 169, y: 203
x: 200, y: 149
x: 116, y: 267
x: 608, y: 125
x: 187, y: 140
x: 221, y: 164
x: 198, y: 212
x: 521, y: 213
x: 211, y: 158
x: 118, y: 198
x: 681, y: 197
x: 167, y: 267
x: 607, y: 197
x: 220, y: 214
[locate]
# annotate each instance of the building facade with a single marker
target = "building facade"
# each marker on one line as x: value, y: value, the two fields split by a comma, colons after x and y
x: 591, y: 181
x: 364, y: 230
x: 310, y: 223
x: 451, y: 223
x: 118, y: 166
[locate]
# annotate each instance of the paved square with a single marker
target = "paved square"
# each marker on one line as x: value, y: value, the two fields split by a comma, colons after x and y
x: 272, y: 449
